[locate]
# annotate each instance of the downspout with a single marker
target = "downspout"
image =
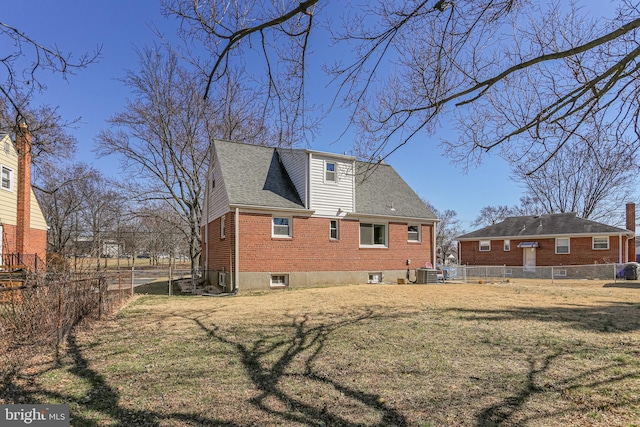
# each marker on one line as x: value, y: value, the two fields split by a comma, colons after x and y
x: 620, y: 255
x: 237, y: 251
x: 433, y: 247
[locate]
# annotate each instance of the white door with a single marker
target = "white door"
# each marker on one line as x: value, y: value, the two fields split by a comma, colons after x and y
x: 529, y: 259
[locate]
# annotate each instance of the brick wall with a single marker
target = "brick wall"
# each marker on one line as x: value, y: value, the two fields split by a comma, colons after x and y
x: 581, y: 252
x: 311, y: 249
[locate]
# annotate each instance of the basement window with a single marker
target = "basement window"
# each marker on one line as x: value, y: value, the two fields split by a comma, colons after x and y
x: 279, y: 280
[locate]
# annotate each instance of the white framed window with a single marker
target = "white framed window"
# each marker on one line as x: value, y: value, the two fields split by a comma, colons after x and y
x: 333, y: 229
x: 485, y: 245
x: 562, y: 245
x: 507, y: 245
x: 223, y: 230
x: 281, y: 226
x: 279, y: 280
x: 375, y: 278
x: 373, y: 234
x: 413, y: 232
x: 600, y: 243
x: 330, y: 172
x: 6, y: 179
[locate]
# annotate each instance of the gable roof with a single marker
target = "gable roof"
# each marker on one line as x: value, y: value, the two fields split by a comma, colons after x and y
x: 542, y: 225
x: 255, y: 176
x: 381, y: 191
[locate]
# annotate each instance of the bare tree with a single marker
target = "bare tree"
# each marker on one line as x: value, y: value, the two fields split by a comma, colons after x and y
x: 447, y: 230
x: 62, y: 194
x: 517, y: 72
x: 163, y: 136
x: 25, y: 60
x: 50, y: 132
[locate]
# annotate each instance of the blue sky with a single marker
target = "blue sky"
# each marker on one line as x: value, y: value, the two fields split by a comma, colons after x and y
x: 120, y: 26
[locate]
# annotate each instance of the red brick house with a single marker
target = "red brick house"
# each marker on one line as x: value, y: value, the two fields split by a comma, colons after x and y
x: 289, y: 217
x: 22, y: 224
x: 549, y: 240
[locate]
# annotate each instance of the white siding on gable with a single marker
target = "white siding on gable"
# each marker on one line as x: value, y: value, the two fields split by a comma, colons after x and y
x: 8, y: 199
x: 215, y: 195
x: 328, y: 197
x: 295, y: 162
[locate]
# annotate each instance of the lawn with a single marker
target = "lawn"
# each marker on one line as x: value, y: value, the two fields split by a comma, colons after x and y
x: 521, y: 353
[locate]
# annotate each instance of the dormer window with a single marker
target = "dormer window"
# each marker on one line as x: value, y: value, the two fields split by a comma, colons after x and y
x: 329, y: 172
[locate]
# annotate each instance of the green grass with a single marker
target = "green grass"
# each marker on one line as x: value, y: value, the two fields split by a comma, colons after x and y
x: 476, y: 355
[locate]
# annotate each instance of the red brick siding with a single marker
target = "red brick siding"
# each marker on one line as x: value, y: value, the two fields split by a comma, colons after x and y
x: 221, y: 250
x: 34, y: 242
x: 580, y: 249
x: 311, y: 249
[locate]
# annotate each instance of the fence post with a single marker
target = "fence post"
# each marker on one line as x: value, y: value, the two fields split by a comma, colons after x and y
x: 132, y: 276
x: 60, y: 305
x: 170, y: 290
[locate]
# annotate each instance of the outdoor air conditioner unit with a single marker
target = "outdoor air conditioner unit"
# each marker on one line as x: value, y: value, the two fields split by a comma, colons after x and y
x: 222, y: 279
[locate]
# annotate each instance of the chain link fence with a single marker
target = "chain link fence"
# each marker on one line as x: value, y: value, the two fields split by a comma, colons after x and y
x: 467, y: 273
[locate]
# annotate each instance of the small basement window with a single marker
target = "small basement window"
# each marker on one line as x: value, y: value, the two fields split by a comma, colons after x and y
x: 279, y: 280
x: 375, y: 278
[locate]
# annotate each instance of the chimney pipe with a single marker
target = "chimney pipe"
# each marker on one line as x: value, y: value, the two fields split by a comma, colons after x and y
x: 631, y: 226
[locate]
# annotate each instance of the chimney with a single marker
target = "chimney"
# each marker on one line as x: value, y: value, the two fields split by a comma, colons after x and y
x: 631, y: 226
x: 23, y: 220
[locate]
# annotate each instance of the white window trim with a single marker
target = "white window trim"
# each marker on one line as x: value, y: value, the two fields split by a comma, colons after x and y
x: 593, y: 243
x: 568, y: 245
x: 506, y: 245
x: 337, y: 230
x: 374, y: 245
x: 488, y: 246
x: 2, y: 168
x: 222, y: 227
x: 279, y: 284
x: 419, y: 239
x: 335, y: 172
x: 273, y: 227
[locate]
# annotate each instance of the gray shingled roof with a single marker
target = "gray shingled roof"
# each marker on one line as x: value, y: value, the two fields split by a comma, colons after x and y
x: 542, y: 225
x: 379, y: 188
x: 253, y: 175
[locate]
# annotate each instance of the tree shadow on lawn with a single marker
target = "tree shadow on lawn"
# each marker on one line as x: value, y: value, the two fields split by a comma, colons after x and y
x: 610, y: 317
x: 101, y: 398
x: 607, y: 318
x: 305, y: 343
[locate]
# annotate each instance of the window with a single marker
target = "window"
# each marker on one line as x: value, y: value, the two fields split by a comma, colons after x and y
x: 413, y: 233
x: 329, y: 172
x: 507, y: 245
x: 281, y: 227
x: 601, y: 243
x: 375, y: 278
x: 373, y: 234
x: 485, y: 245
x: 6, y: 179
x: 562, y: 245
x: 279, y: 280
x: 223, y: 230
x: 333, y: 229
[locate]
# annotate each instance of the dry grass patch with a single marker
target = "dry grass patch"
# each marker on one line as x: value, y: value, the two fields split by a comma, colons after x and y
x: 522, y: 353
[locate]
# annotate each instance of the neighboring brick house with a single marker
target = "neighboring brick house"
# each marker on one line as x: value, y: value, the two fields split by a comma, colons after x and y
x: 22, y: 224
x: 549, y: 240
x: 278, y: 217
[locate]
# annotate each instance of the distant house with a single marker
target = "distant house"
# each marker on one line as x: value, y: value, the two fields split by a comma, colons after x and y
x: 549, y: 240
x: 291, y: 217
x: 22, y: 224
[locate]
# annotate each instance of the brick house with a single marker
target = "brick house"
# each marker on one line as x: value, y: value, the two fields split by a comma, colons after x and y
x: 549, y: 240
x: 22, y: 224
x: 278, y: 217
